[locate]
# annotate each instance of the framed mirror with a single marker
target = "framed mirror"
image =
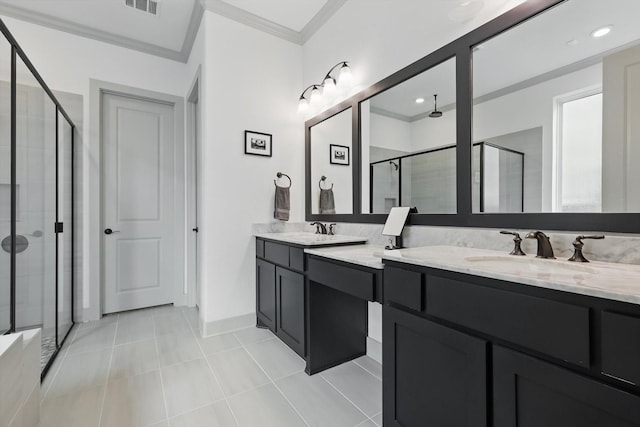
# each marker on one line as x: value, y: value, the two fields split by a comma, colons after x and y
x: 545, y: 134
x: 567, y: 97
x: 408, y: 144
x: 330, y: 172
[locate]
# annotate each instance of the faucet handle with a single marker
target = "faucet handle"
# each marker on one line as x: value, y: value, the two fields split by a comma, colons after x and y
x: 577, y: 246
x: 517, y: 250
x: 332, y: 229
x: 317, y: 224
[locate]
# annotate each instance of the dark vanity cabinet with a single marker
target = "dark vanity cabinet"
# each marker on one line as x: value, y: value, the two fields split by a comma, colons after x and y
x: 439, y: 375
x: 463, y: 350
x: 280, y: 292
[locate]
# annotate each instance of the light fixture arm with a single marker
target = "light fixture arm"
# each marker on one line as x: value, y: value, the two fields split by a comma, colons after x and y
x: 310, y: 87
x: 339, y: 64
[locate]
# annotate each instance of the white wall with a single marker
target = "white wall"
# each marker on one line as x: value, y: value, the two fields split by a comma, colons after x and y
x: 252, y: 82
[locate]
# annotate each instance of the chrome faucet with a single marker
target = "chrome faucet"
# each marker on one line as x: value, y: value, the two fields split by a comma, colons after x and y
x: 544, y: 245
x: 320, y: 227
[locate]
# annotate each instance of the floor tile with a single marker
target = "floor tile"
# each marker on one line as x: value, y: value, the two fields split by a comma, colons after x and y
x: 265, y: 407
x: 193, y: 317
x: 162, y: 310
x: 374, y: 368
x: 237, y: 371
x: 188, y: 386
x: 171, y: 323
x: 135, y: 314
x: 177, y: 348
x: 219, y: 343
x: 134, y: 328
x: 92, y: 339
x: 253, y: 334
x: 80, y: 372
x: 53, y: 371
x: 320, y: 404
x: 367, y: 423
x: 134, y: 401
x: 352, y: 380
x: 81, y: 409
x: 214, y: 415
x: 378, y: 419
x: 109, y: 319
x: 276, y: 358
x: 134, y: 359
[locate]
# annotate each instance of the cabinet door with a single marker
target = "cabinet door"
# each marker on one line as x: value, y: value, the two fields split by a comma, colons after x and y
x: 532, y: 393
x: 432, y: 375
x: 266, y: 294
x: 290, y: 308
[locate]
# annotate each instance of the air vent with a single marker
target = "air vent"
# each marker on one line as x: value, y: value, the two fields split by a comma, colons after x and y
x: 148, y: 6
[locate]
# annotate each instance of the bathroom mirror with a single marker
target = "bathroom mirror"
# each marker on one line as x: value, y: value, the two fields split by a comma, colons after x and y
x: 408, y: 144
x: 331, y: 171
x: 558, y: 100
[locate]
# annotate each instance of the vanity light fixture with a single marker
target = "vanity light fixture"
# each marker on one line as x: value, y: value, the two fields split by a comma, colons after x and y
x: 435, y: 113
x: 315, y: 92
x: 601, y: 32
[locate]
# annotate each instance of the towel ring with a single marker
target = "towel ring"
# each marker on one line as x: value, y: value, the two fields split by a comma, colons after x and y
x: 280, y: 175
x: 323, y: 178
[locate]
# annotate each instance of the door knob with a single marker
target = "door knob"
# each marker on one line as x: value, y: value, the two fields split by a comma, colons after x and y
x: 110, y: 231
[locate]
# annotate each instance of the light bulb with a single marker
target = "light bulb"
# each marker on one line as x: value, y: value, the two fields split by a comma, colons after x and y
x: 329, y: 86
x: 345, y: 75
x: 303, y: 105
x: 419, y: 100
x: 315, y: 95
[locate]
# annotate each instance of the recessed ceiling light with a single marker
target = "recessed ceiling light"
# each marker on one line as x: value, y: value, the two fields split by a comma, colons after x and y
x: 602, y: 31
x: 419, y: 100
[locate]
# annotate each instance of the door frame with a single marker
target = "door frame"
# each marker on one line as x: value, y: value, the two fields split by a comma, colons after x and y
x: 194, y: 120
x: 93, y: 192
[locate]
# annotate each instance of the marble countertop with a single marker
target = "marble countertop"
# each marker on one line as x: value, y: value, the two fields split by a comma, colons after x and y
x: 613, y: 281
x: 366, y: 255
x: 311, y: 239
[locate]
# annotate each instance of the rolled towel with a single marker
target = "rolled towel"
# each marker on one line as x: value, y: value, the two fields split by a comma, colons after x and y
x: 327, y: 203
x: 282, y: 205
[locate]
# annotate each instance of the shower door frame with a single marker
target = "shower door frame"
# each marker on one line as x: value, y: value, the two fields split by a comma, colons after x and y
x: 17, y: 52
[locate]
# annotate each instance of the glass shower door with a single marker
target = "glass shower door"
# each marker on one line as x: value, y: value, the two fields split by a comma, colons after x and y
x: 65, y: 206
x: 35, y: 282
x: 5, y: 186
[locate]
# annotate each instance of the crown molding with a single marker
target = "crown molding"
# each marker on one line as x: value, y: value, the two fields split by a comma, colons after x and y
x: 320, y: 18
x: 192, y: 30
x: 91, y: 33
x: 241, y: 16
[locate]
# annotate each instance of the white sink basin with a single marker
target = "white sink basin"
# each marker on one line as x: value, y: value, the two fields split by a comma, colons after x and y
x: 534, y: 265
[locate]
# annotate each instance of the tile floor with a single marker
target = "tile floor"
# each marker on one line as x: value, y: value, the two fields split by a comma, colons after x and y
x: 150, y: 368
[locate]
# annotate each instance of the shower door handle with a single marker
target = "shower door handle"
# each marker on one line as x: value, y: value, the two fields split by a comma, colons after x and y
x: 108, y: 231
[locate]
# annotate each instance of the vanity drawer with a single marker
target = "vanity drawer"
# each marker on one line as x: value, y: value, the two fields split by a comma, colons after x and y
x: 275, y: 252
x: 404, y: 287
x: 296, y: 258
x: 558, y: 329
x: 621, y: 346
x: 260, y: 248
x: 349, y: 280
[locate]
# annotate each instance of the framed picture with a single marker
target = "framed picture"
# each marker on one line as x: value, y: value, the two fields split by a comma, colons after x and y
x: 339, y: 155
x: 257, y: 143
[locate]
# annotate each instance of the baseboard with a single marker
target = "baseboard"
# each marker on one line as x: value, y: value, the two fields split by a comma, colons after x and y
x: 229, y: 324
x: 374, y: 349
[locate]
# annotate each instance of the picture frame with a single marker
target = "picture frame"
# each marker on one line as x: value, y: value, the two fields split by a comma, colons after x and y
x: 339, y: 155
x: 257, y: 143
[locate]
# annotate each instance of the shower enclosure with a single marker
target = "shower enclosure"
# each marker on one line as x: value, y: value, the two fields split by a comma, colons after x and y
x: 427, y: 180
x: 36, y: 203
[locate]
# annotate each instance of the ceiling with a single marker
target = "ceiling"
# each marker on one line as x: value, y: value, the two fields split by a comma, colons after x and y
x: 171, y: 33
x: 554, y: 43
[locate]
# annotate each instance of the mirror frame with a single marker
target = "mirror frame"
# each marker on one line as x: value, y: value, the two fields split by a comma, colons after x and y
x: 461, y: 50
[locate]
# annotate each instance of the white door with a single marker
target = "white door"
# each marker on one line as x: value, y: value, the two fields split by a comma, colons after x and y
x: 138, y: 197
